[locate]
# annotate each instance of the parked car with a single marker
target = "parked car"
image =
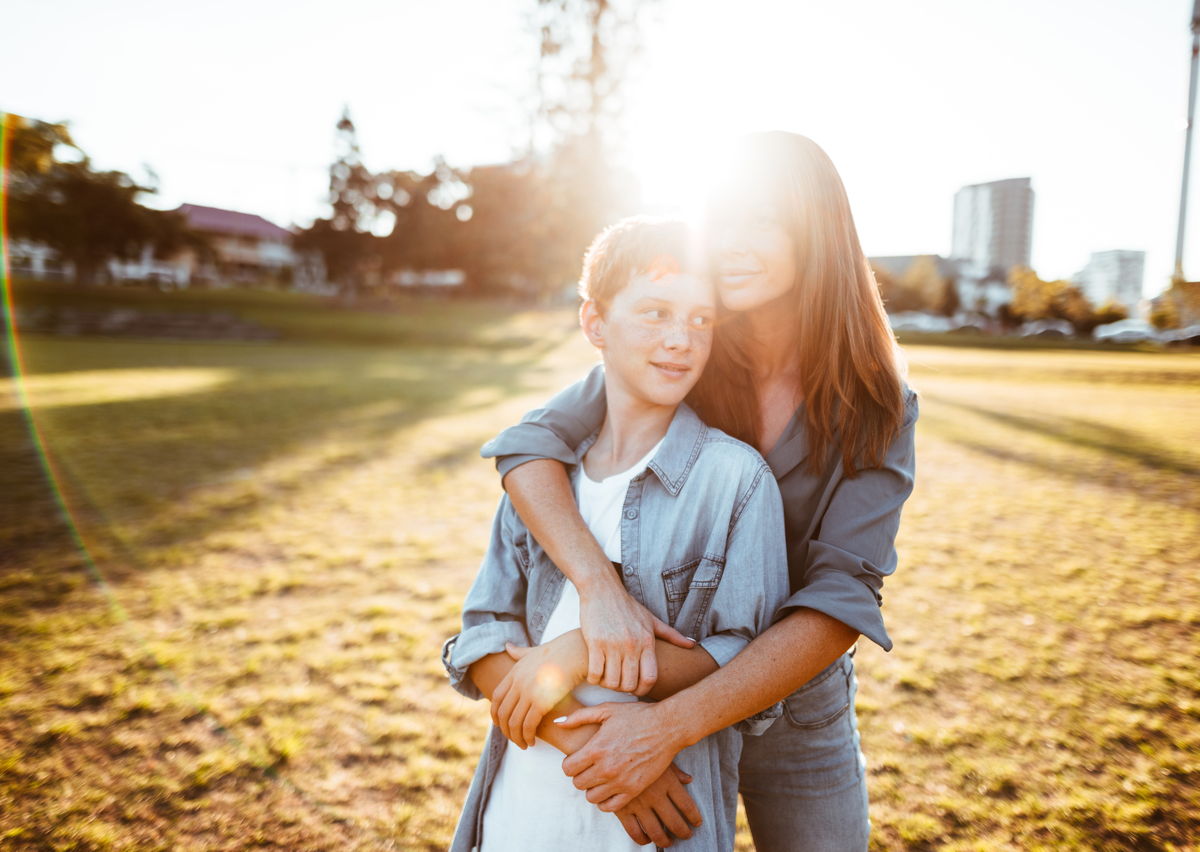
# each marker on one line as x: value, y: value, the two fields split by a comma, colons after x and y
x: 921, y: 322
x: 1053, y: 328
x: 1125, y: 331
x: 1189, y: 335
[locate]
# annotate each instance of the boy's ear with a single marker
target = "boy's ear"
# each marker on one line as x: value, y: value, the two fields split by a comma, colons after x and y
x: 592, y: 323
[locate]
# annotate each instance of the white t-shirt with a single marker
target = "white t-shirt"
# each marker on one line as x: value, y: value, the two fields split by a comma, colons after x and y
x: 533, y: 806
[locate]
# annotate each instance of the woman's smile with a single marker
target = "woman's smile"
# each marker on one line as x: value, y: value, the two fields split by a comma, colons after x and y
x: 737, y: 276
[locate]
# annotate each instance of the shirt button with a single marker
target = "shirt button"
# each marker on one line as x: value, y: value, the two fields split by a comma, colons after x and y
x: 628, y: 570
x: 631, y: 514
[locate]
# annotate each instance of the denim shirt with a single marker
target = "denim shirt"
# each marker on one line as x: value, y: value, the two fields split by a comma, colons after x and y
x: 702, y: 547
x: 841, y: 531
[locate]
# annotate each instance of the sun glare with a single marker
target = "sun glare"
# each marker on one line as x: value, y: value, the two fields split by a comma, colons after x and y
x: 676, y: 172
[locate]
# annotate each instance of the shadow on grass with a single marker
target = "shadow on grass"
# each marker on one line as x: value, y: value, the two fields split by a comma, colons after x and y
x: 1078, y: 432
x: 299, y: 317
x: 138, y: 463
x: 30, y: 520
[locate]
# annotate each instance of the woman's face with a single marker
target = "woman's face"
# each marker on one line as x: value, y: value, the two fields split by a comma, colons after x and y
x: 755, y: 256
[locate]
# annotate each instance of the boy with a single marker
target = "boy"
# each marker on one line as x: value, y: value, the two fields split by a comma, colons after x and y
x: 692, y: 520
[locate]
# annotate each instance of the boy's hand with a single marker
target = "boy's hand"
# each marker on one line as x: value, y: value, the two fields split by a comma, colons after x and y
x: 542, y: 677
x: 663, y: 806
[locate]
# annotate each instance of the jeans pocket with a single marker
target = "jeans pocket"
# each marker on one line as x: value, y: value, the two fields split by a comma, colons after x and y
x: 821, y: 701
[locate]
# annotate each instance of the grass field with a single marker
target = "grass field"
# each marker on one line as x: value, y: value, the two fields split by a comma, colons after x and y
x: 286, y: 531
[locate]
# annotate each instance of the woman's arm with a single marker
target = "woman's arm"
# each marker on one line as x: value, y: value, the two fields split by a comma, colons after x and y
x: 618, y: 630
x: 530, y: 457
x: 663, y: 806
x: 753, y: 585
x: 636, y: 741
x: 542, y: 677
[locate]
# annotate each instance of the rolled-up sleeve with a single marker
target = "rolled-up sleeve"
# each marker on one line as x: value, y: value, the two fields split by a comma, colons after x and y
x: 494, y: 611
x: 855, y: 547
x: 553, y: 431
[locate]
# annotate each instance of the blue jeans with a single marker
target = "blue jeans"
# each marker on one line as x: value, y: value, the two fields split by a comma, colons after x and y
x: 804, y: 781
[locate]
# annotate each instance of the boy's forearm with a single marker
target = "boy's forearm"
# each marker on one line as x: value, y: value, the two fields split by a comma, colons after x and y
x: 679, y: 668
x: 487, y: 673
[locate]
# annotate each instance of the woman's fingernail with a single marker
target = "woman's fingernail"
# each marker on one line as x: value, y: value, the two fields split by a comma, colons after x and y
x: 560, y: 720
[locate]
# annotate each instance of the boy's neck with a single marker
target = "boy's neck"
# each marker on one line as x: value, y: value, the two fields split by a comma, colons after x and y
x: 631, y: 428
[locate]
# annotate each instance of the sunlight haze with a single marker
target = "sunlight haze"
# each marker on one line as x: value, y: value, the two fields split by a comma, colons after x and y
x: 235, y: 106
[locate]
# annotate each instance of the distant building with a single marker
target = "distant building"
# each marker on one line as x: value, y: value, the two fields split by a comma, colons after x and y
x: 242, y: 249
x: 39, y: 261
x: 993, y: 226
x: 1113, y: 276
x: 246, y: 248
x: 36, y: 260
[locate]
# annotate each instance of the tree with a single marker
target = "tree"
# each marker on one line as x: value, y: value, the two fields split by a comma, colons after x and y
x: 1035, y: 299
x: 927, y: 289
x: 88, y: 216
x: 1107, y: 313
x: 586, y: 56
x: 1164, y: 315
x: 344, y: 239
x: 524, y: 224
x: 380, y: 223
x: 920, y: 288
x: 587, y: 48
x: 1178, y: 306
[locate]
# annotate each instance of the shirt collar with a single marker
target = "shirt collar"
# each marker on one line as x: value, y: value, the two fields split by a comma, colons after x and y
x: 792, y: 447
x: 677, y: 455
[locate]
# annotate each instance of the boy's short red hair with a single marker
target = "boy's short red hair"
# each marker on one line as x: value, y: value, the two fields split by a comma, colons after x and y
x: 634, y: 246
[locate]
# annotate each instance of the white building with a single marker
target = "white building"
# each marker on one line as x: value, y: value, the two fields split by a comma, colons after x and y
x: 1113, y: 276
x: 35, y: 260
x: 242, y: 248
x: 993, y: 226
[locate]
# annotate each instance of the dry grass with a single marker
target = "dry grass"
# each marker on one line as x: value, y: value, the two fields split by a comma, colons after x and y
x: 287, y: 533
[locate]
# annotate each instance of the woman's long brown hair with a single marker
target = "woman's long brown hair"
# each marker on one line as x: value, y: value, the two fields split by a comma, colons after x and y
x: 850, y: 369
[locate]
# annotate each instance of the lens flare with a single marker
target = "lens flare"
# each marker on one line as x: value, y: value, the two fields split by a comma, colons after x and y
x: 57, y: 474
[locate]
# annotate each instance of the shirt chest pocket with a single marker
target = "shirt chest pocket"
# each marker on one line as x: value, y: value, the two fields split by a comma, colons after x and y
x: 690, y: 588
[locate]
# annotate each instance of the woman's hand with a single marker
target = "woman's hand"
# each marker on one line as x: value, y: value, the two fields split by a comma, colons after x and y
x: 542, y: 677
x: 620, y: 638
x: 633, y: 747
x: 663, y: 806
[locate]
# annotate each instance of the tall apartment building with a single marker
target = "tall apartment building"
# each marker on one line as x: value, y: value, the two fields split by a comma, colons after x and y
x: 1113, y: 276
x: 993, y: 225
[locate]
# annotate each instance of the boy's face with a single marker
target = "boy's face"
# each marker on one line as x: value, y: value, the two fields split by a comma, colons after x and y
x: 657, y: 334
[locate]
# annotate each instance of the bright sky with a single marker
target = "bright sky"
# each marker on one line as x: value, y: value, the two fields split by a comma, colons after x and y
x: 233, y: 103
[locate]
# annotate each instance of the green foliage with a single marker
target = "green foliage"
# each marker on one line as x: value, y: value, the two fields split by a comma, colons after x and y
x: 86, y: 215
x: 920, y: 288
x: 1164, y: 315
x: 1109, y: 312
x: 1178, y: 306
x: 519, y: 226
x: 1035, y: 299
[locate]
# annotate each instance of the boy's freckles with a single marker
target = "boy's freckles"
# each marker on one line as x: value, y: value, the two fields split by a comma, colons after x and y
x: 658, y: 333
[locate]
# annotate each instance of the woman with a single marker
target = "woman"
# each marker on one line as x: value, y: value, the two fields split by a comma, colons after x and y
x: 806, y: 369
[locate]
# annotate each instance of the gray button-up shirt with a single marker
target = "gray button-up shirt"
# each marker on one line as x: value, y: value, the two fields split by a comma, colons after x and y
x: 841, y: 532
x: 702, y: 547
